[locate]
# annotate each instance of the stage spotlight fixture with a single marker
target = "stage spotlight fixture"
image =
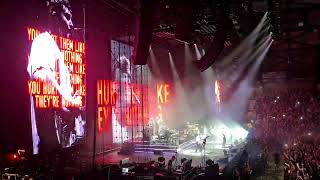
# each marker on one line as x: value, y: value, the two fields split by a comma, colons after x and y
x: 198, y: 54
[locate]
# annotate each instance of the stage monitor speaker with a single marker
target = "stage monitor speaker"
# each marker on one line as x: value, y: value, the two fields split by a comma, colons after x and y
x: 124, y: 161
x: 143, y: 32
x: 126, y: 149
x: 157, y: 152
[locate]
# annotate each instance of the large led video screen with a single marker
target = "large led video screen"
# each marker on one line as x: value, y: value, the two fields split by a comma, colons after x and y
x: 130, y: 110
x: 57, y: 88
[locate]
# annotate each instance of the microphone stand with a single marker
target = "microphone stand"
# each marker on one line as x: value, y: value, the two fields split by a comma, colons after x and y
x: 204, y: 150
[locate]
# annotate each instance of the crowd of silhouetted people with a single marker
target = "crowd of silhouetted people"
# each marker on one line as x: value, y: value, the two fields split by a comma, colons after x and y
x: 59, y: 167
x: 302, y: 158
x: 286, y: 129
x: 285, y: 115
x: 287, y: 125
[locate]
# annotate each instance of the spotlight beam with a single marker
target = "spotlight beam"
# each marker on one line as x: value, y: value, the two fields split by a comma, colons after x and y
x: 246, y: 44
x: 154, y: 65
x: 261, y: 51
x: 245, y: 88
x: 197, y: 52
x: 181, y: 98
x: 232, y: 73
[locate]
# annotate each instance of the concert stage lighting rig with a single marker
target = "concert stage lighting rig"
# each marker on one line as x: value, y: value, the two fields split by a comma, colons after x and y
x: 274, y: 17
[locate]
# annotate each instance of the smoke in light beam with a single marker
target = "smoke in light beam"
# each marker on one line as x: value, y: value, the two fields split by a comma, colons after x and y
x: 197, y: 52
x: 217, y: 91
x: 154, y: 65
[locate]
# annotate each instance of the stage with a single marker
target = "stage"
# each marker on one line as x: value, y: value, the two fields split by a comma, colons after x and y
x: 213, y: 151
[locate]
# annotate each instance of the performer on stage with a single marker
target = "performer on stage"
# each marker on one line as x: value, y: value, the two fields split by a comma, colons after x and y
x: 224, y: 141
x: 199, y: 143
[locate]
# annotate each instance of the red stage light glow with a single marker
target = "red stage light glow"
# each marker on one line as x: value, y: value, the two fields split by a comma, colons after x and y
x: 106, y: 96
x: 163, y: 98
x: 163, y: 92
x: 106, y: 99
x: 217, y: 91
x: 104, y: 113
x: 106, y: 104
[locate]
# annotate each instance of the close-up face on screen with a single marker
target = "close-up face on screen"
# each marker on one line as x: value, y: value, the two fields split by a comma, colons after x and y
x: 56, y: 85
x: 128, y: 108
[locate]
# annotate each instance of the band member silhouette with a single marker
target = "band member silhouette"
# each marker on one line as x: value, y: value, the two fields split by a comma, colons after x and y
x: 224, y: 140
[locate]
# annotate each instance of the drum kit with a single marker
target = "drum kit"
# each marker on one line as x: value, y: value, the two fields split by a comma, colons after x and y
x: 175, y: 137
x: 190, y: 131
x: 166, y: 136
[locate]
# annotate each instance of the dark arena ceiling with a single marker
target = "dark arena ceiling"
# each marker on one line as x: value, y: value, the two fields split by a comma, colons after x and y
x: 295, y: 24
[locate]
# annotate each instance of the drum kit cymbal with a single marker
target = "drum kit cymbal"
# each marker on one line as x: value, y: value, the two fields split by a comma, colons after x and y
x: 171, y: 136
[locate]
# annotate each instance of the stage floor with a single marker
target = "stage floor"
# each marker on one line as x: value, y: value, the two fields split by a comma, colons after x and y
x: 215, y: 153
